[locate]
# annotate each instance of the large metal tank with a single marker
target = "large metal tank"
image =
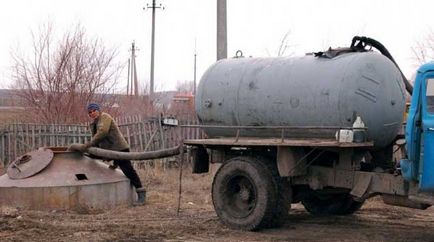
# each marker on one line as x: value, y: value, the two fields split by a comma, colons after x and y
x: 303, y: 91
x: 53, y: 179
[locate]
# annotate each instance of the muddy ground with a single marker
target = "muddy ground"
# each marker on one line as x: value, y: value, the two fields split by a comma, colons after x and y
x: 158, y: 220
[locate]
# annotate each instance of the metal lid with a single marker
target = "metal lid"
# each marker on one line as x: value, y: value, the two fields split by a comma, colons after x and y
x: 29, y: 164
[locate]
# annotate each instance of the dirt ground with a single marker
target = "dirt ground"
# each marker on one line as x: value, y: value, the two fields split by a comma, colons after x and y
x: 158, y: 220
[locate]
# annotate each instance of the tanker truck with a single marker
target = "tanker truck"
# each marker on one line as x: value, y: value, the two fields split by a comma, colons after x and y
x: 324, y: 129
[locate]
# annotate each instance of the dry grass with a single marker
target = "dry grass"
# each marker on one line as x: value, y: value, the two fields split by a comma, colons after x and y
x: 163, y: 185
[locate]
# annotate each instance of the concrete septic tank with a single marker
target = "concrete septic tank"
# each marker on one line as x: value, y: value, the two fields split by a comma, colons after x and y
x: 56, y: 179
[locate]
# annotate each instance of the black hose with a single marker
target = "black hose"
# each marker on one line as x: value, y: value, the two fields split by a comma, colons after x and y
x: 148, y: 155
x: 363, y: 41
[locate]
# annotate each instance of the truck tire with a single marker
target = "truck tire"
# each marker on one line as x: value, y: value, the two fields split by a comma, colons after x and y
x: 284, y: 196
x: 333, y: 204
x: 248, y: 195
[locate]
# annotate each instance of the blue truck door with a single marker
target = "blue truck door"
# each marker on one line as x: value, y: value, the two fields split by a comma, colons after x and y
x: 427, y: 138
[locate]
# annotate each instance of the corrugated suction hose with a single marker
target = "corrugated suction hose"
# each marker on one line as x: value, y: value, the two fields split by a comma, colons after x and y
x: 361, y: 42
x: 118, y: 155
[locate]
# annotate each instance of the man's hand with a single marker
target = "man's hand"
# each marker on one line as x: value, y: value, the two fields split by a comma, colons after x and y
x: 112, y: 166
x: 79, y: 147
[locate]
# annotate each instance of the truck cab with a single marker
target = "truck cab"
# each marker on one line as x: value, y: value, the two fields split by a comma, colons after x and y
x: 419, y: 165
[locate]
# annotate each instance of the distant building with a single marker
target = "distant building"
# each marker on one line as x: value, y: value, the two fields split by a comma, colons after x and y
x: 182, y: 102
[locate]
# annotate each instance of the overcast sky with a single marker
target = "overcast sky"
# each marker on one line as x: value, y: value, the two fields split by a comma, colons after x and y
x: 254, y: 26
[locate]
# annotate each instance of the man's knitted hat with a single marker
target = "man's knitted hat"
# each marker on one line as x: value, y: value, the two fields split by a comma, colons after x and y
x: 93, y: 106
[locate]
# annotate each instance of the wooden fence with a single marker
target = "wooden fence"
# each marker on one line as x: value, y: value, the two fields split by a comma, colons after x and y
x: 143, y: 134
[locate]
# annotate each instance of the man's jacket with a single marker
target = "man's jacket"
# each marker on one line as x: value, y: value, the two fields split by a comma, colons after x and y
x: 106, y: 134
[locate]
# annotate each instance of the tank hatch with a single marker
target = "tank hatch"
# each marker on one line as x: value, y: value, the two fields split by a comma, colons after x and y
x: 29, y: 164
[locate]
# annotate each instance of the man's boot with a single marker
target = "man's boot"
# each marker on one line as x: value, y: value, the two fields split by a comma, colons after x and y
x: 141, y: 196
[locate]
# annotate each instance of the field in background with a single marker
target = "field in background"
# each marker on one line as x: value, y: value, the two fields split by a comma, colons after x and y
x: 9, y: 115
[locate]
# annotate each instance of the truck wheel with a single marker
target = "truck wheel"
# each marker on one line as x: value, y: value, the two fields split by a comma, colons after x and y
x: 284, y: 196
x: 247, y: 194
x: 335, y: 204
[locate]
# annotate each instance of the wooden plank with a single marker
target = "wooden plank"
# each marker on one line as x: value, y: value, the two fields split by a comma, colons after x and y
x: 162, y: 138
x: 49, y: 136
x: 25, y: 144
x: 128, y: 136
x: 54, y: 134
x: 10, y: 148
x: 139, y: 134
x: 60, y: 136
x: 15, y: 140
x: 39, y: 136
x: 3, y: 147
x: 82, y: 139
x: 74, y: 134
x: 33, y: 137
x: 63, y: 133
x: 22, y: 140
x: 44, y: 135
x: 77, y: 134
x: 275, y: 142
x: 145, y: 139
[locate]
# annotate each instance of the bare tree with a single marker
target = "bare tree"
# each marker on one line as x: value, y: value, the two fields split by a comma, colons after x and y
x: 284, y: 46
x: 61, y: 76
x: 139, y: 105
x: 185, y: 86
x: 423, y: 51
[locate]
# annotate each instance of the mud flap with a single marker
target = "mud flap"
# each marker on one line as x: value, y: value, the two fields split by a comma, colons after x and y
x: 200, y: 162
x: 425, y: 198
x: 291, y: 161
x: 360, y: 190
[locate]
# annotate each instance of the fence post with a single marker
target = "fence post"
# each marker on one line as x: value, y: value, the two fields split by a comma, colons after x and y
x: 2, y: 148
x: 139, y: 134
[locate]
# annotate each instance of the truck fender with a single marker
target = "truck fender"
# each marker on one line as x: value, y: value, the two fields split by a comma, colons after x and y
x: 291, y: 161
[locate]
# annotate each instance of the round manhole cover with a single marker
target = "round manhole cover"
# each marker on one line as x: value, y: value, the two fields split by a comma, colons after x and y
x: 29, y: 164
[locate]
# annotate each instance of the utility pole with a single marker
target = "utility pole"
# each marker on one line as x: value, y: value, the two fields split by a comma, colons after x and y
x: 194, y: 76
x: 153, y: 7
x: 133, y: 85
x: 222, y: 40
x: 128, y: 79
x: 134, y: 72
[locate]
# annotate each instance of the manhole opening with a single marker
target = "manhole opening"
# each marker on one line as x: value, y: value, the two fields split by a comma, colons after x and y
x: 81, y: 177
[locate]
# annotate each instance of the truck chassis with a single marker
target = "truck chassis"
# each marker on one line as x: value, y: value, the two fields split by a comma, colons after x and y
x: 260, y: 177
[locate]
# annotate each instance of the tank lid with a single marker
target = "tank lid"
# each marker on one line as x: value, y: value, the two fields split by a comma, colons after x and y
x: 29, y: 164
